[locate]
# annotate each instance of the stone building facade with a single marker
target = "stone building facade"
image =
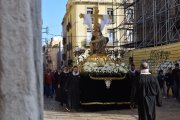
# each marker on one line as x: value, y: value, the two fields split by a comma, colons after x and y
x: 77, y: 34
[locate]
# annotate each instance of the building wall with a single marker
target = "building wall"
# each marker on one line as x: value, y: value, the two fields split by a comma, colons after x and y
x: 82, y: 28
x: 76, y: 35
x: 53, y: 56
x: 162, y: 57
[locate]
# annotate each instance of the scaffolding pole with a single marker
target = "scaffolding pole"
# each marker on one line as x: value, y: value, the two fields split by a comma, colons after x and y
x: 154, y: 23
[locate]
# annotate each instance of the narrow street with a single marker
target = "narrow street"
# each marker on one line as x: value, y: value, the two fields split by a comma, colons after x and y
x: 53, y: 111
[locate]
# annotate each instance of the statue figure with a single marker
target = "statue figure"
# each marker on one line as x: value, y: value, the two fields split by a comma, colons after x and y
x: 98, y: 41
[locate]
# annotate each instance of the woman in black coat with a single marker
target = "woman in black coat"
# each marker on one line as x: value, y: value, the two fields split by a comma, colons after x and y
x: 73, y: 89
x: 56, y: 84
x: 64, y: 76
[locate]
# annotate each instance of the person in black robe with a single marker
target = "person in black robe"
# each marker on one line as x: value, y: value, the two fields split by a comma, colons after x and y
x: 57, y: 85
x: 169, y: 82
x: 146, y: 93
x: 62, y: 82
x: 133, y: 72
x: 132, y: 76
x: 161, y: 80
x: 73, y: 90
x: 176, y: 78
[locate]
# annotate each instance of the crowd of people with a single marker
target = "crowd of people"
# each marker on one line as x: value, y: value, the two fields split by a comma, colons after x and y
x: 171, y: 81
x: 64, y: 85
x: 147, y: 90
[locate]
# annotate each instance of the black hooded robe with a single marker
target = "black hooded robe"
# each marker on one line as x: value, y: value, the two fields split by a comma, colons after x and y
x: 73, y: 91
x: 146, y: 92
x: 55, y: 85
x: 63, y: 94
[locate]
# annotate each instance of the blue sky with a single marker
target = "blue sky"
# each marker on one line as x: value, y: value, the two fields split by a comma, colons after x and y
x: 52, y: 15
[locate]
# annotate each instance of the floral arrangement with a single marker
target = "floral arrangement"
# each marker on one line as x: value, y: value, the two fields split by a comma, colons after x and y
x: 79, y: 51
x: 108, y: 69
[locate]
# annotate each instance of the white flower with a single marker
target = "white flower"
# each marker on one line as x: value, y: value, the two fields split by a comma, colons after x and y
x: 119, y: 56
x: 115, y: 70
x: 112, y: 64
x: 123, y: 64
x: 106, y: 65
x: 109, y: 67
x: 117, y: 65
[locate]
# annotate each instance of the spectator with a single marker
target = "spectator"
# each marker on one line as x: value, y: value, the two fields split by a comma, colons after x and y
x: 147, y: 94
x: 176, y: 77
x: 169, y: 82
x: 48, y: 84
x: 133, y: 74
x: 56, y: 85
x: 161, y: 80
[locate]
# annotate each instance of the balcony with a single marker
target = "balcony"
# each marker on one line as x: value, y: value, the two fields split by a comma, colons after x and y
x: 64, y: 41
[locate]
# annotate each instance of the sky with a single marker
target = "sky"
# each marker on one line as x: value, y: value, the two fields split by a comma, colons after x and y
x: 52, y: 15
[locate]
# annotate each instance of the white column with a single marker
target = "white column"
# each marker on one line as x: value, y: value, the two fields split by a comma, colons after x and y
x: 20, y: 60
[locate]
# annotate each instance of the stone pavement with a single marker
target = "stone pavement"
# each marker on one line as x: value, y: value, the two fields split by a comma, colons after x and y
x: 53, y: 111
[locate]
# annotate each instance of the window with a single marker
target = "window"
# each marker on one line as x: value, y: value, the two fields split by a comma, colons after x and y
x: 129, y: 14
x: 111, y: 14
x: 89, y: 10
x: 111, y: 36
x: 129, y: 36
x: 89, y: 35
x: 110, y: 11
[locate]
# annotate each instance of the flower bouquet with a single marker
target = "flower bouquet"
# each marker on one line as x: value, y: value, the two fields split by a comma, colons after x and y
x: 109, y: 70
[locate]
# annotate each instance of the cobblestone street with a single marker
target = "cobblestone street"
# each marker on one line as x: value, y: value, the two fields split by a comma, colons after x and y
x: 53, y: 111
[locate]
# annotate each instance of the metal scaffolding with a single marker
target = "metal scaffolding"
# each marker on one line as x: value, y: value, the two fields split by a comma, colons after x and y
x: 149, y: 23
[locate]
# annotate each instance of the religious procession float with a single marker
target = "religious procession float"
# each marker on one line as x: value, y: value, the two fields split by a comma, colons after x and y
x: 104, y: 80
